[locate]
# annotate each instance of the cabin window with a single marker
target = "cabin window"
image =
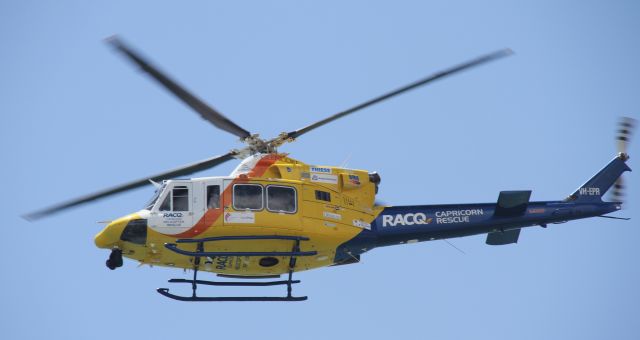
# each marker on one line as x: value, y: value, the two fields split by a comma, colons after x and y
x: 281, y: 199
x: 323, y: 196
x: 247, y: 197
x: 180, y: 198
x: 213, y: 197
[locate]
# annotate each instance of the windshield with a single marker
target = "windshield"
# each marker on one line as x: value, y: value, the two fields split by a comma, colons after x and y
x: 153, y: 199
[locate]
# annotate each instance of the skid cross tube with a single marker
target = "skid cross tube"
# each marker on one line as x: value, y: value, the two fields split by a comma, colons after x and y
x: 293, y: 254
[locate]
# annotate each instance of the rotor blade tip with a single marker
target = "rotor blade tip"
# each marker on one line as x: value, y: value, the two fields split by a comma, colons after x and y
x: 114, y: 41
x: 505, y: 52
x: 111, y: 39
x: 30, y: 217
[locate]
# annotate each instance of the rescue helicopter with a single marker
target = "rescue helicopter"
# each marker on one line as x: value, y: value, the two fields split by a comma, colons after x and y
x: 275, y: 215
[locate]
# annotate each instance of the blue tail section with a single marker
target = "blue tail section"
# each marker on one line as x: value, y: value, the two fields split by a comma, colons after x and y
x: 502, y: 220
x: 597, y: 186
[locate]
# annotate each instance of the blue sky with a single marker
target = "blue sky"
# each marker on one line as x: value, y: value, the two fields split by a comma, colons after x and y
x: 77, y: 118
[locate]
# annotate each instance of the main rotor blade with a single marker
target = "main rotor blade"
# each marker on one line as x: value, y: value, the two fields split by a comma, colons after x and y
x: 181, y: 171
x: 207, y: 112
x: 418, y: 83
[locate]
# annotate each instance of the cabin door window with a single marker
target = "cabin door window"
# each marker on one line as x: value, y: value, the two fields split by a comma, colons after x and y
x: 175, y: 213
x: 213, y: 197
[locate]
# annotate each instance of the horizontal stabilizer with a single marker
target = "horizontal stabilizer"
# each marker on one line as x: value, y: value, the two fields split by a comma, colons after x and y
x: 503, y: 237
x: 512, y: 203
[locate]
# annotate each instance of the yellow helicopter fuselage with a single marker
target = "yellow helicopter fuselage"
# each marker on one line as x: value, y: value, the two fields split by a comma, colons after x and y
x: 267, y: 194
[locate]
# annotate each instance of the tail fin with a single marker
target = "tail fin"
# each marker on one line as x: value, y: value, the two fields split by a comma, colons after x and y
x: 598, y: 185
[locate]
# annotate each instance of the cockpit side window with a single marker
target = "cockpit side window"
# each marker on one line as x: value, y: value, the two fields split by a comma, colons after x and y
x: 247, y: 197
x: 180, y: 198
x: 166, y: 204
x: 213, y: 196
x: 154, y: 199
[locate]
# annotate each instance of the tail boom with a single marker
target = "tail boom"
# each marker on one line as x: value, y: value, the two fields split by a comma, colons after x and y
x: 501, y: 220
x: 430, y: 222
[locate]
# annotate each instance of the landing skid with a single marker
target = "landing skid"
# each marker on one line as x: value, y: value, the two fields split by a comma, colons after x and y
x: 165, y: 292
x: 295, y: 252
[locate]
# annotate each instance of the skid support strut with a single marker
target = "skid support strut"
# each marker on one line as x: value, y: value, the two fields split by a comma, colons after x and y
x: 293, y: 255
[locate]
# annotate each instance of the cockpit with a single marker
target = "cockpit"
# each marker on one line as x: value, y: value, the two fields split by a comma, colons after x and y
x: 177, y: 196
x: 156, y: 195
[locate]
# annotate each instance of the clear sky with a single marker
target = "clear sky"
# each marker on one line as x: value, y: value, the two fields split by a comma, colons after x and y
x: 77, y: 117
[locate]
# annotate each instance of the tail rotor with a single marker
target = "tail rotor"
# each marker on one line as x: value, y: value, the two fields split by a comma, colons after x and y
x: 618, y: 193
x: 626, y: 127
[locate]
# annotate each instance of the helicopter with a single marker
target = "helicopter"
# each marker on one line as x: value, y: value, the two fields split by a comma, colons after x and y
x: 275, y: 215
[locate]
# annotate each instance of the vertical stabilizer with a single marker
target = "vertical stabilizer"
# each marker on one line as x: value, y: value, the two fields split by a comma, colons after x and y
x: 597, y: 186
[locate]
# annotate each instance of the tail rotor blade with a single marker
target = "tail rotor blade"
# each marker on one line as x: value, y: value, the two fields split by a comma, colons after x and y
x: 626, y: 128
x: 618, y: 193
x: 625, y: 131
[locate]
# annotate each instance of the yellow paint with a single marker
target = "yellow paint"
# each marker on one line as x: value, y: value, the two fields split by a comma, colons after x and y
x: 327, y: 224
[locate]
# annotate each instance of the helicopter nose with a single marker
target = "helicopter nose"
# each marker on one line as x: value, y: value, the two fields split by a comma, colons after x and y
x: 110, y: 235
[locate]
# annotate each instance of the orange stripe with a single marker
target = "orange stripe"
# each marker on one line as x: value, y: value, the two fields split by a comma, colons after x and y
x: 213, y: 214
